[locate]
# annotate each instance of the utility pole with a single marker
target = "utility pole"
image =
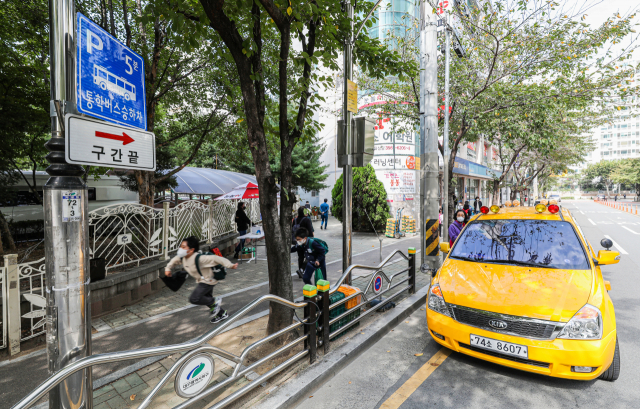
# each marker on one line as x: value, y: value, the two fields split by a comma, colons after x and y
x: 445, y: 139
x: 68, y: 317
x: 429, y: 167
x: 347, y: 168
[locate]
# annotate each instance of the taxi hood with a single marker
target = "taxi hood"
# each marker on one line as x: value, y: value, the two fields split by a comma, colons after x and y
x: 542, y: 293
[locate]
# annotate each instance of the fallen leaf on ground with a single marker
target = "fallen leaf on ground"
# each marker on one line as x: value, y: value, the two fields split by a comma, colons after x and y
x: 132, y: 397
x: 388, y: 351
x: 434, y: 364
x: 420, y: 354
x: 311, y: 396
x: 407, y: 322
x: 349, y: 382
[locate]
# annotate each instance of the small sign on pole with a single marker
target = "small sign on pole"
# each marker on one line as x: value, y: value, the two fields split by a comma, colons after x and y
x: 352, y: 96
x: 98, y: 143
x: 109, y: 77
x: 71, y: 206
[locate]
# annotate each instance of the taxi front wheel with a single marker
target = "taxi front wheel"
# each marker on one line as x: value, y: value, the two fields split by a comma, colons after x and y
x: 613, y: 372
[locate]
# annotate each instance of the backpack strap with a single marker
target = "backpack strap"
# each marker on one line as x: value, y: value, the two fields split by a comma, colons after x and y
x: 198, y: 264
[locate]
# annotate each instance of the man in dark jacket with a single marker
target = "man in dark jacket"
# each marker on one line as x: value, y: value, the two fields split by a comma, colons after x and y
x: 243, y: 223
x: 314, y: 253
x: 301, y: 221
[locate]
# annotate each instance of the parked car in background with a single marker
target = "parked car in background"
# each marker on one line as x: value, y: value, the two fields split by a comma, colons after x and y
x: 555, y: 197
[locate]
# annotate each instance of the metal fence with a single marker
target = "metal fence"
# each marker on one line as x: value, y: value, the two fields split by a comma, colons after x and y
x: 130, y: 233
x: 316, y: 326
x: 122, y: 234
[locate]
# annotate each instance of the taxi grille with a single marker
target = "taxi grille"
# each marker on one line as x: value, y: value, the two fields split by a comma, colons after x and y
x: 524, y: 327
x: 503, y: 356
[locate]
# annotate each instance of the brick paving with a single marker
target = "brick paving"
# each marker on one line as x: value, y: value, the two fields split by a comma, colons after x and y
x: 247, y: 275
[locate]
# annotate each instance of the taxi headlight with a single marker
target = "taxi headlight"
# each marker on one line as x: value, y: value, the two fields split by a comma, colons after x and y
x: 586, y: 324
x: 436, y: 301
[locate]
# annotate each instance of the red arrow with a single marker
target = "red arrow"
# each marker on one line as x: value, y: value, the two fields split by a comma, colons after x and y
x: 124, y: 137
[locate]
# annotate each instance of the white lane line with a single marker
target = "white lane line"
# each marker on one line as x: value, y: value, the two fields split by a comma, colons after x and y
x: 625, y: 227
x: 581, y: 212
x: 592, y: 222
x: 616, y: 245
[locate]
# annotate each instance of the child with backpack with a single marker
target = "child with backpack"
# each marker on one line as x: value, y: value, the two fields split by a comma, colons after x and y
x: 304, y: 222
x: 201, y: 267
x: 314, y: 250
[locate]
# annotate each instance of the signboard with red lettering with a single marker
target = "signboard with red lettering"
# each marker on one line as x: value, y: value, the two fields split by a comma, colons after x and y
x: 398, y: 181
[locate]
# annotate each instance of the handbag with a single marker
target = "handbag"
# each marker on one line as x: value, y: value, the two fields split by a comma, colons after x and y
x: 175, y: 281
x: 318, y: 275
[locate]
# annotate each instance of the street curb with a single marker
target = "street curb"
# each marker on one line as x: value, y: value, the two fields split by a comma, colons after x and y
x: 313, y: 377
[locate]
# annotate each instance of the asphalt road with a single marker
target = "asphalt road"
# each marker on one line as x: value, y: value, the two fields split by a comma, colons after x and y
x: 390, y: 367
x: 170, y: 329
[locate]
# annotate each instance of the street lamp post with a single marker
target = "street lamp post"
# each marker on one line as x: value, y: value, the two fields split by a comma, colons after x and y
x: 65, y: 204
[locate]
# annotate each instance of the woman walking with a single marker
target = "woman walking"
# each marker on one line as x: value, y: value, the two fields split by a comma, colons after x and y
x: 456, y: 226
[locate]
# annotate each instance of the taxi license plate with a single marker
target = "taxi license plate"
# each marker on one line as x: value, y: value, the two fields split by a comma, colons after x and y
x: 500, y: 347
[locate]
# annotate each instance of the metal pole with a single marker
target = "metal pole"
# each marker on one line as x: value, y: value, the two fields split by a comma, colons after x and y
x: 535, y: 186
x: 66, y: 228
x: 429, y: 167
x: 347, y: 169
x: 445, y: 139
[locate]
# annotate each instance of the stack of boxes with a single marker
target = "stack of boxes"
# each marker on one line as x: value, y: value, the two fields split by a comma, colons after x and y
x: 408, y: 224
x: 391, y: 227
x: 354, y: 303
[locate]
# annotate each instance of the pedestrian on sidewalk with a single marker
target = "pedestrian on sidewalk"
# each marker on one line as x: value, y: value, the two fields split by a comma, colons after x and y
x: 459, y: 222
x: 242, y: 223
x: 203, y: 293
x: 477, y: 204
x: 301, y: 221
x: 314, y: 254
x: 324, y: 214
x: 615, y: 198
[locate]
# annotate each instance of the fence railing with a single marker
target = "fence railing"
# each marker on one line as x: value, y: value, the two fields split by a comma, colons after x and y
x: 122, y: 235
x: 130, y: 233
x: 316, y: 326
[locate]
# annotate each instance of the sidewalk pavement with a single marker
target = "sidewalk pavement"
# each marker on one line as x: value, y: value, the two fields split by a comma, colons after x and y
x: 248, y: 275
x: 130, y: 390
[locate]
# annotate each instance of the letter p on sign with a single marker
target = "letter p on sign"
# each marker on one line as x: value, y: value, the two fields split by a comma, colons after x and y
x: 90, y: 44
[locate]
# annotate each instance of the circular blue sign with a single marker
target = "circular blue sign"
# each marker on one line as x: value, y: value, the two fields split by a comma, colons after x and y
x: 377, y: 284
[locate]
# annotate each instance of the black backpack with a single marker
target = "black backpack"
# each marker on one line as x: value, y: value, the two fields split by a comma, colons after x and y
x: 219, y: 272
x: 295, y: 228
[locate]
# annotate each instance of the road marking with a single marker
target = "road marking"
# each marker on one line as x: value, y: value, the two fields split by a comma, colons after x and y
x: 592, y: 222
x: 625, y: 227
x: 616, y: 245
x: 412, y: 384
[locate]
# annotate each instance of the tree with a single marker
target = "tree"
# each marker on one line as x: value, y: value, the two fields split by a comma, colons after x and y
x: 522, y: 54
x: 307, y: 170
x: 188, y: 94
x: 599, y: 175
x: 627, y: 173
x: 275, y: 78
x: 369, y: 198
x: 24, y: 89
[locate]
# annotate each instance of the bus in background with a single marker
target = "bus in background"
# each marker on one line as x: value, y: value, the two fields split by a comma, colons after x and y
x: 113, y: 83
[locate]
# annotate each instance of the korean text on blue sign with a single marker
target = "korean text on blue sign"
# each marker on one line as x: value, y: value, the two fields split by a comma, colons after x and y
x: 110, y: 77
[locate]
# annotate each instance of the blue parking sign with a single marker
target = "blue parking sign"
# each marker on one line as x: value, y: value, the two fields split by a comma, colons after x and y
x: 109, y: 78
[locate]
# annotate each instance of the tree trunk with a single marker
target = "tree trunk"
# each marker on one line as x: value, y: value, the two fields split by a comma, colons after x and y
x: 4, y: 226
x: 495, y: 199
x: 146, y: 187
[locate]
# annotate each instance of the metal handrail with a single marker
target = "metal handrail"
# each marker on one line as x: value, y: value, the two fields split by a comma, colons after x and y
x: 99, y: 359
x: 352, y: 267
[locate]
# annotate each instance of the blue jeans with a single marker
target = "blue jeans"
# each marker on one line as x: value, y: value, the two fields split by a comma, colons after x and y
x: 240, y: 245
x: 323, y: 219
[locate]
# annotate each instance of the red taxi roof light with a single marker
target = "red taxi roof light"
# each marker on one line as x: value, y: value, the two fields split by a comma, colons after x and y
x: 484, y: 210
x: 553, y: 208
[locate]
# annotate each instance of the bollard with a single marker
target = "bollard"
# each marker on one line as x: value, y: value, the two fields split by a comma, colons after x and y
x: 412, y: 270
x: 310, y: 297
x: 323, y: 289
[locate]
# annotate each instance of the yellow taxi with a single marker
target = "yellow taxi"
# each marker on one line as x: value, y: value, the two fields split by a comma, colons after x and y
x: 522, y: 287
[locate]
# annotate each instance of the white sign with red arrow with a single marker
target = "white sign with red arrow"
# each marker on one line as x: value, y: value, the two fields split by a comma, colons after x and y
x: 93, y: 142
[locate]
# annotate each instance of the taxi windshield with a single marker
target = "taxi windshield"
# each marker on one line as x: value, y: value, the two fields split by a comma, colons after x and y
x: 536, y: 243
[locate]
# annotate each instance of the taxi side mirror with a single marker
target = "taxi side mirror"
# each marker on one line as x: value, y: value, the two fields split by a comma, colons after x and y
x: 444, y: 247
x: 608, y: 257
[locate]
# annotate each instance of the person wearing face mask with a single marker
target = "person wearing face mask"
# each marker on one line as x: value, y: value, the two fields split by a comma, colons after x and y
x: 456, y: 226
x: 314, y: 254
x: 203, y: 293
x: 242, y: 222
x: 304, y: 222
